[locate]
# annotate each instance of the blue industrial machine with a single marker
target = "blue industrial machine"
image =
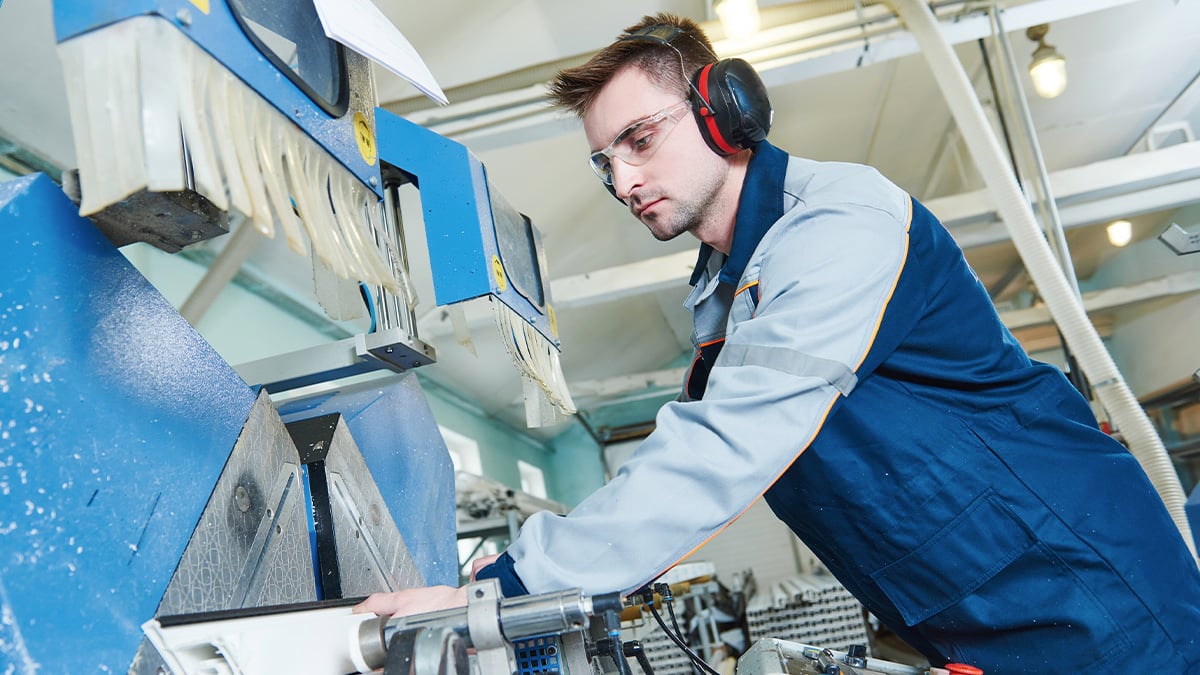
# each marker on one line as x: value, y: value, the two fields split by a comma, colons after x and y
x: 140, y: 474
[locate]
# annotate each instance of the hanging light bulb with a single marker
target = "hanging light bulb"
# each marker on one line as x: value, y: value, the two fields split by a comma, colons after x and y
x: 1120, y: 232
x: 738, y: 17
x: 1048, y: 68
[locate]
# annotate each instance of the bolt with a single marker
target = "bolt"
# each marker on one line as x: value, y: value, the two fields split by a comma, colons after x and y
x: 184, y: 17
x: 241, y: 497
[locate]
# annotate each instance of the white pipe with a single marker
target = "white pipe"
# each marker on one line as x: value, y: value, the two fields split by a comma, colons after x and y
x: 1064, y: 306
x: 222, y: 270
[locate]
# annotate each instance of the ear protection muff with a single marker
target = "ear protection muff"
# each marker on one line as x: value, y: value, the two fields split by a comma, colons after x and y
x: 731, y: 106
x: 729, y: 99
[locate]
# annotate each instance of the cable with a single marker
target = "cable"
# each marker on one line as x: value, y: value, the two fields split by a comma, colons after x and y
x: 370, y: 302
x: 700, y: 663
x: 648, y: 598
x: 634, y: 648
x: 670, y: 601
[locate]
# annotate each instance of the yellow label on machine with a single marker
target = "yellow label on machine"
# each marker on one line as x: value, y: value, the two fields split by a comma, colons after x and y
x: 201, y: 5
x: 553, y: 320
x: 498, y: 271
x: 364, y: 137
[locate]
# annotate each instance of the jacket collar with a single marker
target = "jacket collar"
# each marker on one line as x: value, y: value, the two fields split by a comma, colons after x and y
x: 759, y: 206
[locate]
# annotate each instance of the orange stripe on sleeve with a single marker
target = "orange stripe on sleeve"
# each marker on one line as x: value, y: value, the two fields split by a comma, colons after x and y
x: 709, y: 538
x: 891, y: 291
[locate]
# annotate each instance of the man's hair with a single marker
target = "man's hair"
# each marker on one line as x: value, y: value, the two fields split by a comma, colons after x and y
x: 670, y: 66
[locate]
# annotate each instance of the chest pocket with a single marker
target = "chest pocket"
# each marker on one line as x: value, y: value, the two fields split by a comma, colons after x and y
x: 731, y: 311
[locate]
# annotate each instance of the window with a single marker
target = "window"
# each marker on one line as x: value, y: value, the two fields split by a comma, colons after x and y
x: 533, y: 481
x: 464, y: 451
x: 291, y: 36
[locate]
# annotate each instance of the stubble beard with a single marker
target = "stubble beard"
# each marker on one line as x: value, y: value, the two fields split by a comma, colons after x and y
x: 689, y: 214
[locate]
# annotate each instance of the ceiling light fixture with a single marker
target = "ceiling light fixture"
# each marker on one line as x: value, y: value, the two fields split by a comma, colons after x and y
x: 1048, y: 68
x: 1120, y: 232
x: 738, y: 17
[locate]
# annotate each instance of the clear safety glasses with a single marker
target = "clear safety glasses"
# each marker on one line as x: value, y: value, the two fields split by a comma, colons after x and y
x: 639, y: 141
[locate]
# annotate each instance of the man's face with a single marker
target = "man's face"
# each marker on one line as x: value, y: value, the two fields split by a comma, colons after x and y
x: 674, y: 190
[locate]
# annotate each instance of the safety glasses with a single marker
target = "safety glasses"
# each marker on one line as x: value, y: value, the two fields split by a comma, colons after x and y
x: 639, y: 141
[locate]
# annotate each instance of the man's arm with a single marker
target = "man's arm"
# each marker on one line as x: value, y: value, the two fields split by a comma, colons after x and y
x: 825, y: 283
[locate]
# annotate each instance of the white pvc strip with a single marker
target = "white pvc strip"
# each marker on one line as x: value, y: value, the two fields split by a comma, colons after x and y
x: 538, y: 360
x: 146, y: 102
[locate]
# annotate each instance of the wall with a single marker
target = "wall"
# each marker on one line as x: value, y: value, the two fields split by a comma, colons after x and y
x: 575, y: 469
x: 500, y: 446
x: 225, y: 325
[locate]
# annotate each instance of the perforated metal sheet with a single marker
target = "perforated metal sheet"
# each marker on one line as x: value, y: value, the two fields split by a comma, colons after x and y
x: 251, y: 546
x: 371, y: 553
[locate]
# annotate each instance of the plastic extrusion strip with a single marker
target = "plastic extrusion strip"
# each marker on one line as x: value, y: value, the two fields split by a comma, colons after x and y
x: 240, y: 153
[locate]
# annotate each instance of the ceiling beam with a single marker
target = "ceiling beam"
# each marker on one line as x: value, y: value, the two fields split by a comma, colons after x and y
x: 1089, y: 183
x: 782, y: 54
x: 1174, y: 116
x: 1110, y: 299
x: 622, y: 281
x: 1142, y: 183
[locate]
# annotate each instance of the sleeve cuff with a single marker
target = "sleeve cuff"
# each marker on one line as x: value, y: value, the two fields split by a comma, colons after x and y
x: 504, y: 571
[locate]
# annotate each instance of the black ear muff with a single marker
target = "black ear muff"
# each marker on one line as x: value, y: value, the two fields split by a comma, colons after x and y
x: 731, y: 106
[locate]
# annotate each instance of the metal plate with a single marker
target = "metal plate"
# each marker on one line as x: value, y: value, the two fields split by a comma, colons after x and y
x: 251, y: 546
x: 371, y: 553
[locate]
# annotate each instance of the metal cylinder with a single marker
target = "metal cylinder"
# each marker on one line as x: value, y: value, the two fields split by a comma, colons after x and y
x: 520, y: 617
x: 545, y: 614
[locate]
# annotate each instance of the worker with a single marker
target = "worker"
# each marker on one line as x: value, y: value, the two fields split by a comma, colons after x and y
x: 851, y: 370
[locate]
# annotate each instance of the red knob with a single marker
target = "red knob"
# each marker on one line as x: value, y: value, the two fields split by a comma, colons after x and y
x: 962, y: 669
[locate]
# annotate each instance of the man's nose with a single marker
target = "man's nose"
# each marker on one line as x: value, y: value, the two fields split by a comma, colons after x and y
x: 625, y: 178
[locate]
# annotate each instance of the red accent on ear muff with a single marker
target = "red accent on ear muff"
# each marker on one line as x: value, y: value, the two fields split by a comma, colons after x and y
x: 705, y: 109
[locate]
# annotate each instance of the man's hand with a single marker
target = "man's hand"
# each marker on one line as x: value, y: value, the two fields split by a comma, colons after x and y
x: 420, y: 600
x: 482, y: 562
x: 413, y: 601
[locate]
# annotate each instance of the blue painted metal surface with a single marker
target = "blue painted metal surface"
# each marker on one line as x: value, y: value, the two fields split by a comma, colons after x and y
x: 116, y: 419
x: 399, y: 439
x: 1192, y: 509
x: 218, y: 33
x: 459, y: 224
